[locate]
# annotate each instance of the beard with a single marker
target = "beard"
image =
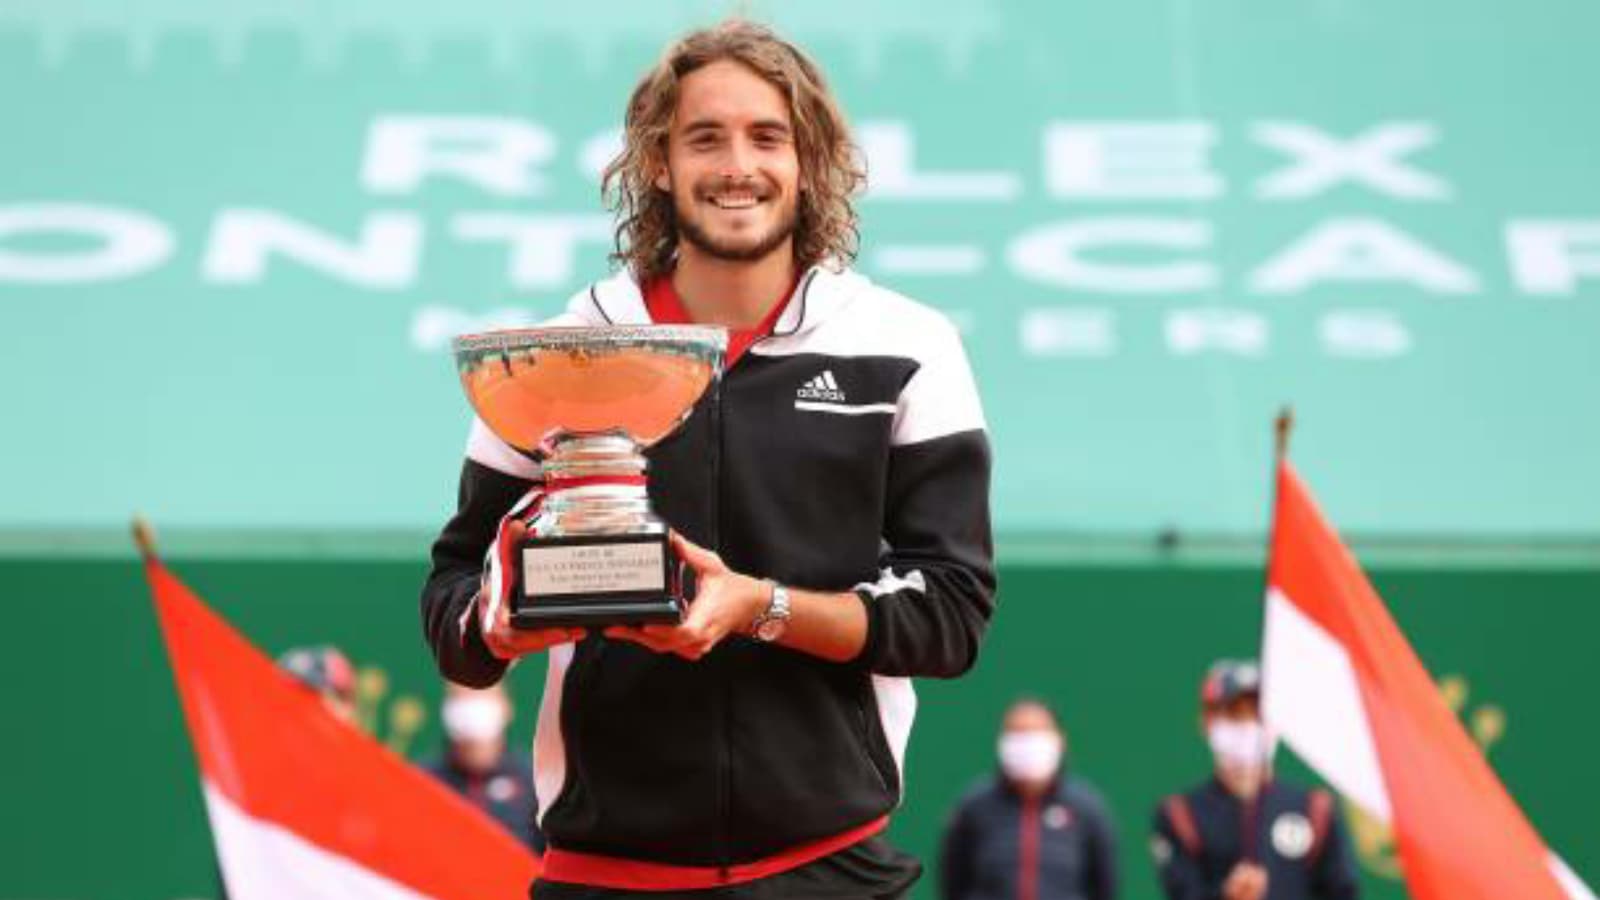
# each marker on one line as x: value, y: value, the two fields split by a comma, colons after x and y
x: 741, y: 249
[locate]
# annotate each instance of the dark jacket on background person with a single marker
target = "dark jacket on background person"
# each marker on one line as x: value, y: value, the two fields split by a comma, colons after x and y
x: 504, y: 792
x: 996, y: 840
x: 845, y: 451
x: 1294, y: 833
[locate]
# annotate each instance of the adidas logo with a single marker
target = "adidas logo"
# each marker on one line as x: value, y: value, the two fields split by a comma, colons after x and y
x: 822, y: 387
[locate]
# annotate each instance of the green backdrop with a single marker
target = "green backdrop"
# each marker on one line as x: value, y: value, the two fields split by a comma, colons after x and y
x: 102, y: 797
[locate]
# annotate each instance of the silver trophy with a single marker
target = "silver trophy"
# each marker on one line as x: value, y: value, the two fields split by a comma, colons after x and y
x: 586, y: 402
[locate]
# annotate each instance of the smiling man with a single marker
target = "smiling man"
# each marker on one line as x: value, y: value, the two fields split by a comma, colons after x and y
x: 831, y: 494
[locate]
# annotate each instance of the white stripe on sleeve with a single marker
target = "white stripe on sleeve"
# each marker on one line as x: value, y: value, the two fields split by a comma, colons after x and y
x: 890, y: 583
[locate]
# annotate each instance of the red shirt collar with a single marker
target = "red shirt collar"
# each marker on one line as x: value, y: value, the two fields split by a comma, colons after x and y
x: 665, y: 307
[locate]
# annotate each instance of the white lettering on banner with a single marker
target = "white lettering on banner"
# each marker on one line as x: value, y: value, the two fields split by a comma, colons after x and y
x: 243, y: 242
x: 1549, y: 256
x: 1138, y: 161
x: 1130, y: 160
x: 543, y: 249
x: 1054, y: 254
x: 1363, y: 334
x: 1322, y: 161
x: 127, y: 243
x: 1211, y: 329
x: 1074, y: 332
x: 499, y: 155
x: 1361, y: 250
x: 890, y: 148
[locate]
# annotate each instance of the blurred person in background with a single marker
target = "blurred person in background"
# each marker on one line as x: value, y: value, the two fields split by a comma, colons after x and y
x: 1034, y: 830
x: 327, y: 671
x: 478, y: 764
x: 1243, y: 834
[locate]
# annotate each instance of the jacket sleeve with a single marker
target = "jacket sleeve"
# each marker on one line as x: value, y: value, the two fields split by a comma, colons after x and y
x: 1334, y: 874
x: 929, y: 608
x: 1178, y: 871
x: 493, y: 478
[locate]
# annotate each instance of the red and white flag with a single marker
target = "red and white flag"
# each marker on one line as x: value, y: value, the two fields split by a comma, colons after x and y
x: 304, y: 806
x: 1344, y: 689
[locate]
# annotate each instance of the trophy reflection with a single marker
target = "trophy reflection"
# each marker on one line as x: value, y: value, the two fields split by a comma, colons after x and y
x: 587, y: 402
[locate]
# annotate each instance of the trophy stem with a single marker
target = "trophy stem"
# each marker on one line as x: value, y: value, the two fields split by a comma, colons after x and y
x: 595, y: 484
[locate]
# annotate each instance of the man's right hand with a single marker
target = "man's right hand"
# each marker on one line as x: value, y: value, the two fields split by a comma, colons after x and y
x: 509, y: 643
x: 1247, y: 881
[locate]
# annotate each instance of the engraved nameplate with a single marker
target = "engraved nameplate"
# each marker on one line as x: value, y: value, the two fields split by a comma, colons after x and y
x: 588, y: 569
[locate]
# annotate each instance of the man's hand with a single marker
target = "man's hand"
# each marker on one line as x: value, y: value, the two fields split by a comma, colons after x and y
x: 1247, y: 881
x: 725, y: 602
x: 509, y: 643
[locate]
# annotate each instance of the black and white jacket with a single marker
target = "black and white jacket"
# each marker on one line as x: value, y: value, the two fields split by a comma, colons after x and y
x: 845, y: 451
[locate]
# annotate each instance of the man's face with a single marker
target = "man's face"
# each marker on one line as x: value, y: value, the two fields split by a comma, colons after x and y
x: 731, y: 168
x: 1030, y: 746
x: 475, y: 722
x: 1241, y: 747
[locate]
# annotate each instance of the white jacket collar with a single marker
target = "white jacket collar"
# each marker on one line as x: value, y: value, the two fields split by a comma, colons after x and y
x: 822, y: 292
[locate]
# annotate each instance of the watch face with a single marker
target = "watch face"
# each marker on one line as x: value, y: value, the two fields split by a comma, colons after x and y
x: 770, y: 630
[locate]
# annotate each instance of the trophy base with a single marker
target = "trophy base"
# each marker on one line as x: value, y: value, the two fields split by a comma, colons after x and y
x: 595, y: 580
x: 597, y: 613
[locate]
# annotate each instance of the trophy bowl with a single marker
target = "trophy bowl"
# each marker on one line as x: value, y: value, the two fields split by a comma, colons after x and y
x: 587, y: 402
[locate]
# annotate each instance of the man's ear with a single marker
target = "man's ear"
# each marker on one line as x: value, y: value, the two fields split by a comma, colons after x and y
x: 663, y: 180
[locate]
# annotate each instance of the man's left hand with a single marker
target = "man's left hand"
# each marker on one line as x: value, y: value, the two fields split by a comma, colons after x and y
x: 725, y: 602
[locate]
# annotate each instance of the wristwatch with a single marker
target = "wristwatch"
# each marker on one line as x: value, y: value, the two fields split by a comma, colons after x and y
x: 769, y: 626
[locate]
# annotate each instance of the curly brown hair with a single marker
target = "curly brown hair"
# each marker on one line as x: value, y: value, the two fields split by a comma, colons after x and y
x: 830, y: 166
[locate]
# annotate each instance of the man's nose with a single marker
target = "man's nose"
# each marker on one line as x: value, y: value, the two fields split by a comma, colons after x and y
x: 739, y: 160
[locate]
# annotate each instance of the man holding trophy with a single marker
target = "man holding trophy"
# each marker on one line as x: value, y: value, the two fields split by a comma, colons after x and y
x: 727, y: 702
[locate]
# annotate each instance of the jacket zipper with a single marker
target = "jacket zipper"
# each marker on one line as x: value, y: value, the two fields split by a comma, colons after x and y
x: 725, y: 746
x: 724, y: 783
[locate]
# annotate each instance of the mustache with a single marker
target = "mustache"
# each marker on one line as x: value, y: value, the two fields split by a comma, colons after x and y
x: 722, y: 184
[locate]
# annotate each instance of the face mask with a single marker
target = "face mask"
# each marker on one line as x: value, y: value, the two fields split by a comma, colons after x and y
x: 473, y: 718
x: 1240, y: 744
x: 1029, y: 755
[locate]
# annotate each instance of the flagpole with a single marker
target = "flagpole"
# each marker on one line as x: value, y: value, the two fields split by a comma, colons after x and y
x: 144, y: 537
x: 1281, y: 429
